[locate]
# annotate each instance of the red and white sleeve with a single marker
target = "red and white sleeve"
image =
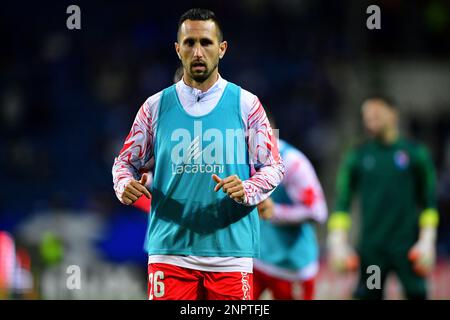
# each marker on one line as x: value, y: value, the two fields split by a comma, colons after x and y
x: 304, y: 189
x: 138, y: 147
x: 265, y: 161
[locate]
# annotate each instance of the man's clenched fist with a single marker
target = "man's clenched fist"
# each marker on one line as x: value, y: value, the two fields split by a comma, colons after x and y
x: 265, y: 209
x: 423, y: 253
x: 135, y: 189
x: 232, y: 186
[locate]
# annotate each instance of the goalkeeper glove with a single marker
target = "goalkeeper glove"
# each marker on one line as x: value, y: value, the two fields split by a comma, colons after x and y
x: 341, y: 255
x: 423, y: 253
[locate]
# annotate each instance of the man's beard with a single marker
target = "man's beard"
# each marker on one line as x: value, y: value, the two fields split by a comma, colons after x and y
x: 203, y: 76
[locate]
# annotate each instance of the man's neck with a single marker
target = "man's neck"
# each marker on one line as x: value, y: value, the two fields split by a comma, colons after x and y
x: 390, y: 136
x: 202, y: 86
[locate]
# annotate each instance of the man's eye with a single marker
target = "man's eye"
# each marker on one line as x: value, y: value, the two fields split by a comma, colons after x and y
x: 205, y: 42
x: 190, y: 43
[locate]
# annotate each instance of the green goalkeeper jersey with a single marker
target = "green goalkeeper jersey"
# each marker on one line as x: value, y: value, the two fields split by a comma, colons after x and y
x: 394, y: 184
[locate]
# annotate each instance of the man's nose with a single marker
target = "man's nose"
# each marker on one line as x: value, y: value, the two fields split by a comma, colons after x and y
x: 198, y: 51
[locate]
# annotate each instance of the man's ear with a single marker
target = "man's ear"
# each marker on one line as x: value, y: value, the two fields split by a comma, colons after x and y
x: 177, y: 49
x: 222, y: 48
x: 395, y: 116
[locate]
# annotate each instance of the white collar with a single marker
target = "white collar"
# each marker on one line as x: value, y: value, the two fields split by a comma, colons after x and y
x: 197, y: 94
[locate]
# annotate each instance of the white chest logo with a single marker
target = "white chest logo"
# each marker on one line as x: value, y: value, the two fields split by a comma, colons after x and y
x: 208, y: 151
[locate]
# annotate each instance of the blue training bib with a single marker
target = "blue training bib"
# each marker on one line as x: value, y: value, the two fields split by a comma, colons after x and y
x: 187, y: 216
x: 291, y: 247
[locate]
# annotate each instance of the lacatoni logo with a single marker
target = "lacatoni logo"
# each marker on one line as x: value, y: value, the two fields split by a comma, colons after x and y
x: 191, y: 156
x: 210, y: 150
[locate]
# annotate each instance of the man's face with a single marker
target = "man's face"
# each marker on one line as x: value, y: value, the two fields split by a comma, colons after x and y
x: 377, y: 117
x: 199, y: 48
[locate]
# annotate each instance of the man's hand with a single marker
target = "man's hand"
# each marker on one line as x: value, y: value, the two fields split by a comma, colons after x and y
x: 423, y: 253
x: 265, y: 209
x: 341, y: 255
x: 232, y: 186
x: 135, y: 189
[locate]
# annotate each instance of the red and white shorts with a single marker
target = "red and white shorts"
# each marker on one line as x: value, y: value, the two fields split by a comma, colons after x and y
x: 282, y: 289
x: 170, y: 282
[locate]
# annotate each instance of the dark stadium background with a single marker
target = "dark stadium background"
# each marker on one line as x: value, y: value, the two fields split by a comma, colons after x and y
x: 68, y: 98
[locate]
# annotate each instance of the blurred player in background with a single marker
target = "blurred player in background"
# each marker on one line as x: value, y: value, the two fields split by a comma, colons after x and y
x: 200, y: 241
x: 395, y: 181
x: 7, y: 264
x: 289, y: 248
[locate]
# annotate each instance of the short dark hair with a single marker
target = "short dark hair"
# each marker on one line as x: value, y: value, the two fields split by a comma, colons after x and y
x: 197, y: 14
x: 388, y: 100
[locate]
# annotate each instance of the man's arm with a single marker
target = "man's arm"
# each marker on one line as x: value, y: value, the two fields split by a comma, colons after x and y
x: 303, y: 187
x: 135, y: 153
x: 345, y: 185
x: 340, y: 254
x: 423, y: 253
x: 427, y: 183
x: 265, y: 161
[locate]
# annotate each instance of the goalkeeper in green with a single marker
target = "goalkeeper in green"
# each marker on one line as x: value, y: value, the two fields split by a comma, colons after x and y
x: 395, y: 181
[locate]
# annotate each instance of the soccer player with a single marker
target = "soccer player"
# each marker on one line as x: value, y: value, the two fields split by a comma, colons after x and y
x: 7, y: 264
x: 395, y: 181
x: 289, y: 248
x: 215, y: 159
